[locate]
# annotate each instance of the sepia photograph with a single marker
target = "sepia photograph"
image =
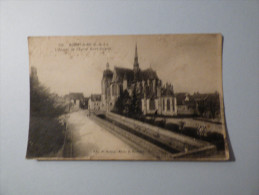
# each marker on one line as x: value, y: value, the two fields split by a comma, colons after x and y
x: 127, y: 97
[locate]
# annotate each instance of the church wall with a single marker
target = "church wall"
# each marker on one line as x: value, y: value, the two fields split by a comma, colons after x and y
x: 125, y: 85
x: 143, y: 106
x: 159, y: 105
x: 170, y: 103
x: 148, y: 111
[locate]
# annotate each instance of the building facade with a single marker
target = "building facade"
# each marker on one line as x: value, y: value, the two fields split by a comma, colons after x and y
x: 76, y: 99
x: 94, y: 103
x: 155, y: 98
x: 186, y: 105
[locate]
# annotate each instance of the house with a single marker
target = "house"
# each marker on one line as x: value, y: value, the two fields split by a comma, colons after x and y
x: 85, y: 103
x: 76, y: 99
x: 94, y: 103
x: 186, y: 105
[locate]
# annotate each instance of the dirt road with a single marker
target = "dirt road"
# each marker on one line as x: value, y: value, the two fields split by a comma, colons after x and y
x: 89, y: 140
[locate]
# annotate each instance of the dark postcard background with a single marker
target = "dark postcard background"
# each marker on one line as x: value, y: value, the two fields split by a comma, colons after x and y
x: 236, y: 20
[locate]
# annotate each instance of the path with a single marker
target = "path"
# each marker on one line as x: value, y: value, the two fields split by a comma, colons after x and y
x: 90, y: 141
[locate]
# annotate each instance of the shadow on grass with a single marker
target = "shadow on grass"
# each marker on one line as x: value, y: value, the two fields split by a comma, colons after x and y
x: 46, y: 137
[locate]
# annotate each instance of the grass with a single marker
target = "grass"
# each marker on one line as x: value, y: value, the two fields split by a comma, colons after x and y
x: 46, y: 137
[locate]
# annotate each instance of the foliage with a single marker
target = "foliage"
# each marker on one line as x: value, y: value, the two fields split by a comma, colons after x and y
x: 46, y: 133
x: 136, y: 102
x: 46, y: 137
x: 209, y: 107
x: 123, y: 103
x: 128, y: 105
x: 42, y: 102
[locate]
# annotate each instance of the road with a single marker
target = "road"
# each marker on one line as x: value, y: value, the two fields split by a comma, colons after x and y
x: 90, y: 141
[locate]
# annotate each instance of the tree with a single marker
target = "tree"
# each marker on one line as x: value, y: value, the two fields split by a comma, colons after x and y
x: 213, y: 104
x: 209, y: 106
x: 42, y: 102
x: 46, y: 132
x: 122, y: 104
x: 136, y: 102
x: 201, y: 107
x: 126, y: 103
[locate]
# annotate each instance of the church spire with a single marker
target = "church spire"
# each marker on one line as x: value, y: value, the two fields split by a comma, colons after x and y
x: 136, y: 64
x: 136, y: 51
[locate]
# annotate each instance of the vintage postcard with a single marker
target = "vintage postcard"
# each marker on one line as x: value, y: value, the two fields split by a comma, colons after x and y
x: 127, y: 97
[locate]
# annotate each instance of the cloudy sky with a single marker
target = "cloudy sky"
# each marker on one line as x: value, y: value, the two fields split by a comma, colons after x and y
x: 75, y: 64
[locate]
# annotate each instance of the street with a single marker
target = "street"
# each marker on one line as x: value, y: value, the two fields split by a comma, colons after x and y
x: 89, y: 140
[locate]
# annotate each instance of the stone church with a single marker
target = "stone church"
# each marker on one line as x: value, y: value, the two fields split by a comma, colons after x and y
x: 155, y: 98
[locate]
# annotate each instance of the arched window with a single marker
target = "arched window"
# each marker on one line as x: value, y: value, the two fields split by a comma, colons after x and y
x: 163, y: 104
x: 152, y: 105
x: 105, y: 87
x: 114, y: 90
x: 168, y: 104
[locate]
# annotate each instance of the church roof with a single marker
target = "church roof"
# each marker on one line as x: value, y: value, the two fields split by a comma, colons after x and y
x: 148, y: 74
x: 128, y: 74
x: 107, y: 73
x: 167, y: 92
x: 122, y: 73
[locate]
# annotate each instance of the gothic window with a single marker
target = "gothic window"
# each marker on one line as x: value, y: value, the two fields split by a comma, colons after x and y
x: 163, y: 104
x: 114, y: 92
x: 168, y: 104
x: 115, y: 89
x: 152, y: 105
x: 105, y: 89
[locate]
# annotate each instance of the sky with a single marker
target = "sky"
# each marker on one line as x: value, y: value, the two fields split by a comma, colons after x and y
x: 190, y: 62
